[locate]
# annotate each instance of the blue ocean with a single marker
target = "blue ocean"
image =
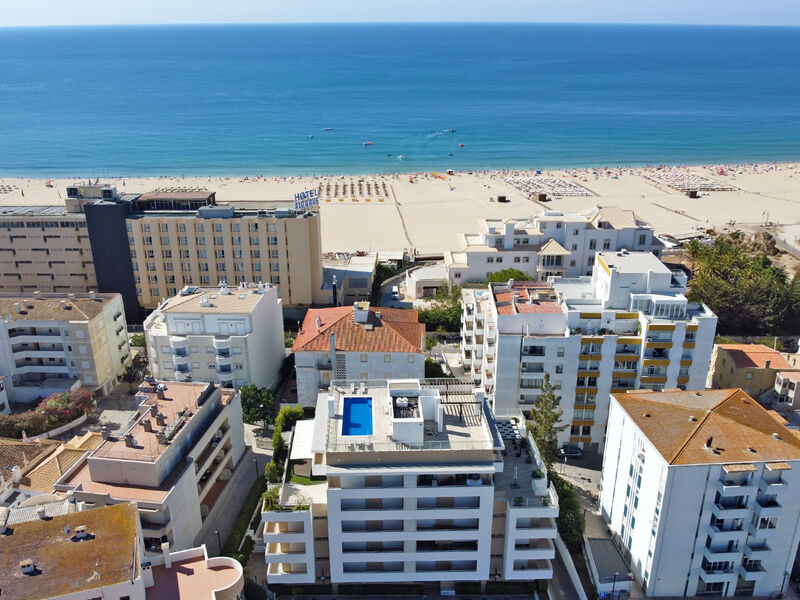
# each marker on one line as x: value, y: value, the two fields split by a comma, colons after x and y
x: 292, y: 99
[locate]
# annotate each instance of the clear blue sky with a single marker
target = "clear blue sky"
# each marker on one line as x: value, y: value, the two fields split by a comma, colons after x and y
x: 95, y: 12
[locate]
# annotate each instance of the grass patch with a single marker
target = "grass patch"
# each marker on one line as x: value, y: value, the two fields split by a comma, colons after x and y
x: 231, y: 547
x: 301, y: 480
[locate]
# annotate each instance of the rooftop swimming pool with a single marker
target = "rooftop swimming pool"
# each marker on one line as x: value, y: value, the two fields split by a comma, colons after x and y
x: 357, y: 416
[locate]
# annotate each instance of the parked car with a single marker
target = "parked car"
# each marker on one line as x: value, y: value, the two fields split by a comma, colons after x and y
x: 395, y: 292
x: 568, y: 451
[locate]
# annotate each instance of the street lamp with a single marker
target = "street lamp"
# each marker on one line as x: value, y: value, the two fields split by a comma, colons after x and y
x: 255, y: 465
x: 614, y: 585
x: 219, y: 540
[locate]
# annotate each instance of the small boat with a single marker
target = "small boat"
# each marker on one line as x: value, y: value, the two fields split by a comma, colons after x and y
x: 461, y: 145
x: 450, y: 130
x: 368, y: 143
x: 449, y: 154
x: 402, y: 157
x: 328, y: 129
x: 311, y: 137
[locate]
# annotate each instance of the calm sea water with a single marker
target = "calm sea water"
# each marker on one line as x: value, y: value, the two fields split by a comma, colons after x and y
x: 247, y: 99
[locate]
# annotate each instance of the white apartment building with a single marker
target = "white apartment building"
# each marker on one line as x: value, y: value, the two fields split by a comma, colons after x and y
x: 174, y: 461
x: 699, y: 490
x: 628, y: 326
x: 550, y: 243
x: 93, y: 553
x: 356, y: 342
x: 55, y: 342
x: 420, y: 485
x: 233, y: 336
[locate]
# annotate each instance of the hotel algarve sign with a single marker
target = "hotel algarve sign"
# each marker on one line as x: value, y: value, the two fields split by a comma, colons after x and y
x: 306, y: 200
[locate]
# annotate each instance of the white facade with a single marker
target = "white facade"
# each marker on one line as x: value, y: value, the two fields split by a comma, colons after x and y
x: 4, y: 405
x: 230, y: 336
x: 718, y: 527
x: 52, y: 343
x: 427, y: 496
x: 628, y: 326
x: 550, y: 243
x: 173, y: 461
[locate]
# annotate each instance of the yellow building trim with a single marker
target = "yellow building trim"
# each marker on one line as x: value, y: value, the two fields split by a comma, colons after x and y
x: 592, y: 340
x: 590, y: 357
x: 585, y: 390
x: 683, y: 380
x: 591, y: 315
x: 654, y: 379
x: 627, y: 315
x: 688, y: 344
x: 686, y: 362
x: 626, y: 357
x: 623, y: 375
x: 661, y: 327
x: 620, y: 390
x: 586, y: 439
x: 655, y: 362
x: 603, y: 265
x: 631, y: 341
x: 594, y: 373
x: 691, y: 327
x: 658, y: 345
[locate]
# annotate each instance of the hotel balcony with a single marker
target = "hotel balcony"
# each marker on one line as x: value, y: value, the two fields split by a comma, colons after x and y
x: 730, y: 510
x: 224, y: 361
x: 736, y: 533
x: 763, y: 532
x: 183, y: 375
x: 178, y: 343
x: 717, y: 575
x: 767, y: 507
x: 180, y: 359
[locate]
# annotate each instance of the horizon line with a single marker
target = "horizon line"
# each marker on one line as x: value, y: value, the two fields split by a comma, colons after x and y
x: 435, y: 22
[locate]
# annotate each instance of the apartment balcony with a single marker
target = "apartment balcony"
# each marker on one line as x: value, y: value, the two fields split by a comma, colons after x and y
x: 289, y: 573
x: 763, y: 532
x: 180, y: 359
x: 717, y: 575
x: 222, y: 343
x: 33, y: 353
x: 543, y: 527
x: 752, y: 572
x: 178, y: 343
x: 281, y: 553
x: 530, y: 569
x: 734, y: 510
x: 155, y: 530
x: 535, y: 549
x: 766, y: 508
x: 757, y: 551
x: 735, y: 488
x: 34, y: 338
x: 289, y: 532
x: 183, y: 375
x: 773, y: 487
x: 719, y: 535
x: 712, y: 555
x: 224, y: 361
x: 35, y: 369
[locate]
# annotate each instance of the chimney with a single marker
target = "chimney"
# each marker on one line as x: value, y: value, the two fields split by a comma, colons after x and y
x: 71, y: 296
x: 709, y: 441
x: 37, y: 295
x: 160, y: 391
x: 148, y: 425
x: 27, y: 567
x: 129, y: 441
x: 27, y: 303
x: 161, y: 420
x: 510, y: 283
x: 333, y: 285
x: 41, y: 513
x: 154, y: 410
x: 93, y: 295
x: 318, y: 322
x: 204, y: 301
x: 333, y: 346
x: 260, y: 287
x: 63, y: 304
x: 81, y: 533
x: 17, y: 307
x: 16, y: 474
x: 167, y: 556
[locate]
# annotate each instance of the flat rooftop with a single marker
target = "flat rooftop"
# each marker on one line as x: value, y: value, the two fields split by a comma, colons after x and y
x: 153, y: 432
x: 632, y: 262
x: 525, y: 297
x: 190, y: 579
x: 205, y: 300
x: 608, y: 561
x: 65, y: 565
x: 466, y: 422
x: 48, y: 307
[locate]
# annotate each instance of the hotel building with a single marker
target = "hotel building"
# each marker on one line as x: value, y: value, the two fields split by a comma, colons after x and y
x: 97, y: 553
x: 174, y: 461
x: 55, y: 342
x: 231, y: 336
x: 419, y: 484
x: 149, y: 246
x: 550, y: 243
x: 628, y: 326
x: 699, y: 490
x: 356, y: 342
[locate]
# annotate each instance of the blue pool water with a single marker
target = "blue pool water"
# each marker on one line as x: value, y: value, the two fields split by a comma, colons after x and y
x: 357, y: 416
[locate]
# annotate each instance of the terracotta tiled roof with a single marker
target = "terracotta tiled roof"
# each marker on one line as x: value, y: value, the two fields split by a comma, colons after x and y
x: 553, y: 248
x: 43, y: 477
x: 396, y: 330
x: 681, y: 425
x: 25, y: 455
x: 618, y: 218
x: 755, y: 356
x: 504, y: 301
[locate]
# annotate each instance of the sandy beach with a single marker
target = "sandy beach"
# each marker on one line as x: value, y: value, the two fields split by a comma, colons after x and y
x: 428, y: 212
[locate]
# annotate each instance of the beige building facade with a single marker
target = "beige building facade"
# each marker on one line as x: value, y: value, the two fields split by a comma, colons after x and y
x: 55, y: 342
x: 751, y: 367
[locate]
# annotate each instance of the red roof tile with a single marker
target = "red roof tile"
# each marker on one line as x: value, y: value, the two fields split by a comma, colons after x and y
x: 755, y: 356
x: 396, y: 330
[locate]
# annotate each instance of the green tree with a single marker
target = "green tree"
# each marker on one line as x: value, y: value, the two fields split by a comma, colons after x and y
x: 287, y: 417
x: 430, y: 342
x: 544, y: 422
x: 278, y: 443
x: 433, y: 369
x: 570, y: 521
x: 769, y: 341
x: 506, y: 274
x: 137, y: 340
x: 271, y: 472
x: 258, y: 404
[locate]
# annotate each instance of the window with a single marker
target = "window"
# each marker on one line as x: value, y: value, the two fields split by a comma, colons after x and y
x: 218, y: 227
x: 606, y: 244
x: 499, y: 259
x: 526, y: 259
x: 363, y: 358
x: 748, y: 376
x: 590, y: 261
x: 642, y: 239
x: 411, y: 358
x: 559, y: 369
x: 572, y: 263
x: 199, y: 227
x: 560, y: 351
x: 592, y: 244
x: 490, y: 259
x: 182, y: 227
x: 516, y: 259
x: 387, y: 358
x: 456, y: 275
